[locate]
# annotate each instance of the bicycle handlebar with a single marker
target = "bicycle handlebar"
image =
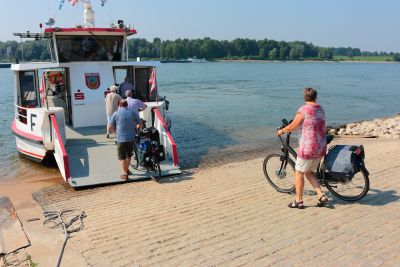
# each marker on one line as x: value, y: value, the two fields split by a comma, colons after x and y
x: 284, y: 124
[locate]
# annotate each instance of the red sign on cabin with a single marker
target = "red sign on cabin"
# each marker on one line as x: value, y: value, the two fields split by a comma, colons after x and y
x: 92, y: 80
x: 79, y: 95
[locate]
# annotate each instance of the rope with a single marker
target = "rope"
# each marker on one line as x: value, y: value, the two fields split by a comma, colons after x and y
x: 70, y: 221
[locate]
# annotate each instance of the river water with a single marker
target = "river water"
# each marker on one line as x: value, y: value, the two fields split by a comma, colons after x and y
x: 227, y: 109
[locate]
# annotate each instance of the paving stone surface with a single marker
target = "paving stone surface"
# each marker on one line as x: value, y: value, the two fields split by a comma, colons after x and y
x: 229, y: 216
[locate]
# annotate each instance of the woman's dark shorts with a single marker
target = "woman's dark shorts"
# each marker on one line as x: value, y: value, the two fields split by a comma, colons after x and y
x: 125, y: 150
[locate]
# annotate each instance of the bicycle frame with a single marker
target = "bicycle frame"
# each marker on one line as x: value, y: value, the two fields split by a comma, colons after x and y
x: 288, y: 150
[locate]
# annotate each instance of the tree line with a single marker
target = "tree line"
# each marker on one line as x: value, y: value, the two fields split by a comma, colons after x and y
x: 207, y: 48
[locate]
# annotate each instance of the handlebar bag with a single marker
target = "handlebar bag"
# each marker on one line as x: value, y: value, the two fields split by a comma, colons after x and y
x: 340, y: 162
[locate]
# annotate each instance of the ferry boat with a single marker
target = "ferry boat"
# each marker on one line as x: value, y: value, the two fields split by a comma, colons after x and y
x: 60, y: 104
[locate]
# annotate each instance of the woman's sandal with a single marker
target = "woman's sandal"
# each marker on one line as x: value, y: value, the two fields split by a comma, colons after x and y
x: 296, y: 205
x: 322, y: 201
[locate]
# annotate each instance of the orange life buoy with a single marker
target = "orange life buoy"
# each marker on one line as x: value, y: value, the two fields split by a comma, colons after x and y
x: 55, y: 78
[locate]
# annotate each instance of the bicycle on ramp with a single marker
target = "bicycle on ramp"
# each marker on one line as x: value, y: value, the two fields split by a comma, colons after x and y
x: 342, y: 171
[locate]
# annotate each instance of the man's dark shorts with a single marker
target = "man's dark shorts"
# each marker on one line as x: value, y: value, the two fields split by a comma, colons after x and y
x: 125, y: 150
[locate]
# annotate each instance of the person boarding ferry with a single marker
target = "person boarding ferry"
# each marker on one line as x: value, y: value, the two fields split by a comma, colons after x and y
x: 134, y: 104
x: 125, y: 86
x: 125, y: 121
x: 112, y: 100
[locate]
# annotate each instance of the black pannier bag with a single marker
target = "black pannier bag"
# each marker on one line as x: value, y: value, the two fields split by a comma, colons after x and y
x: 160, y: 153
x: 154, y: 135
x: 343, y: 161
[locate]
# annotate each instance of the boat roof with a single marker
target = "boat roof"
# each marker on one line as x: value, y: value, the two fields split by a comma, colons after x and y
x: 81, y: 30
x: 49, y: 65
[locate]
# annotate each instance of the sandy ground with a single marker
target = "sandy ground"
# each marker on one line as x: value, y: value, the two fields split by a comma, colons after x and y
x: 45, y: 243
x: 223, y: 215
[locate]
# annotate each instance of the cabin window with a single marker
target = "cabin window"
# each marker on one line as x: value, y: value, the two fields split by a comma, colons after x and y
x: 27, y: 83
x: 89, y: 48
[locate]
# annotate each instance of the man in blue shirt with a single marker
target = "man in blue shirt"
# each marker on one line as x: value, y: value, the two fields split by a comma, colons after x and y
x: 134, y: 104
x: 125, y: 121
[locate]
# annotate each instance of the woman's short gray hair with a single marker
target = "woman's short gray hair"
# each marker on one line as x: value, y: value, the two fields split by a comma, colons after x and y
x: 114, y: 88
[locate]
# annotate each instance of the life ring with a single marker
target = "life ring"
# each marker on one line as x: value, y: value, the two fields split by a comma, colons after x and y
x: 55, y: 78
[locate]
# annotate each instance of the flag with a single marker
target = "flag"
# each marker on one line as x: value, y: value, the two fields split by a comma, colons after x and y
x: 42, y: 90
x: 73, y: 2
x: 61, y: 4
x: 153, y: 83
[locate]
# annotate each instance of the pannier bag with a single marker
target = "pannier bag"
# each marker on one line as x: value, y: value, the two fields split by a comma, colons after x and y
x: 343, y: 161
x: 154, y: 135
x: 144, y: 153
x: 160, y: 153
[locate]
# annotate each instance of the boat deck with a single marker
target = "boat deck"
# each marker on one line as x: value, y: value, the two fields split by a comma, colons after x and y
x: 93, y: 159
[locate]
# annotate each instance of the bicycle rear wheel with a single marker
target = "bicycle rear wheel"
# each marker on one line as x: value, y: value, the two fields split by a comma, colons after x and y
x: 349, y: 190
x: 279, y: 172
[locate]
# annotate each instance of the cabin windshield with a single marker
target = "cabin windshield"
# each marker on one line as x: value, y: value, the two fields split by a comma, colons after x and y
x: 89, y: 48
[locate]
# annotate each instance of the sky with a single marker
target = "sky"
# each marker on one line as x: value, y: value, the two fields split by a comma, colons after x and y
x: 371, y: 25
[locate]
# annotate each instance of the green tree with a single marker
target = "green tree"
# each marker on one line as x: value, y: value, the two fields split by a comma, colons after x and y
x: 273, y: 54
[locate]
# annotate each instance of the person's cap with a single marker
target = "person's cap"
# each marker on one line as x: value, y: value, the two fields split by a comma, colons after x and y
x: 113, y: 88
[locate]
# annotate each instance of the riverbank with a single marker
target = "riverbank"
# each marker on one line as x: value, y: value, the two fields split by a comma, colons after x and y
x: 303, y: 61
x: 388, y: 127
x: 220, y: 215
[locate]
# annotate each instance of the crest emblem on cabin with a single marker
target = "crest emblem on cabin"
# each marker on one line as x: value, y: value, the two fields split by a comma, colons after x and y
x: 92, y: 80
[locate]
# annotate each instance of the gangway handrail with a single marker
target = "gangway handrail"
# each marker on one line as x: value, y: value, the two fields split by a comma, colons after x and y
x: 173, y: 144
x: 63, y: 150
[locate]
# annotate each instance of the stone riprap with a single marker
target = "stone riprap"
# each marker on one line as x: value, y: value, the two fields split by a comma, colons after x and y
x: 386, y: 127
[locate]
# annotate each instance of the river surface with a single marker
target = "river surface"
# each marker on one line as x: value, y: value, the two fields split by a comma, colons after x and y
x: 230, y: 109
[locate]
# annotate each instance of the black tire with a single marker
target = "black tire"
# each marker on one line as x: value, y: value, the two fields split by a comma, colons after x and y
x: 135, y: 159
x: 155, y: 173
x: 279, y: 172
x: 352, y: 190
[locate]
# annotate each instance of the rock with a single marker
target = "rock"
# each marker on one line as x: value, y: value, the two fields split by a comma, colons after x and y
x: 332, y: 132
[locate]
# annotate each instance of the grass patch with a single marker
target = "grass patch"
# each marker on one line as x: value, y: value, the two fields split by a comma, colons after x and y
x: 31, y: 263
x: 363, y: 58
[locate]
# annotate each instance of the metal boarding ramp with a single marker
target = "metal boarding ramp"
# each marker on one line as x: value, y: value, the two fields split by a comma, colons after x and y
x: 91, y: 159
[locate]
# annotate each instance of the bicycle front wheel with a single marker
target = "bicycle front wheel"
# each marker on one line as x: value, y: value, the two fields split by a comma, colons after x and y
x: 349, y: 190
x: 155, y: 173
x: 279, y: 172
x: 135, y: 159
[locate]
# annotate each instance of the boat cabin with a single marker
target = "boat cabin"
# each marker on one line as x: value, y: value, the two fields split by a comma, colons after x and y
x: 84, y: 63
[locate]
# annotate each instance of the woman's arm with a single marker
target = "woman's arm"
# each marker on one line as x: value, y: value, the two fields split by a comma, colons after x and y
x: 298, y: 119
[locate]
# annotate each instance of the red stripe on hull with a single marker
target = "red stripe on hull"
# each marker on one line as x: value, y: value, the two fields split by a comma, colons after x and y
x: 30, y: 154
x: 35, y: 138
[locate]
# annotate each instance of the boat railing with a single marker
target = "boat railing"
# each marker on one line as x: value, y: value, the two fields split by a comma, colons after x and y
x: 21, y: 113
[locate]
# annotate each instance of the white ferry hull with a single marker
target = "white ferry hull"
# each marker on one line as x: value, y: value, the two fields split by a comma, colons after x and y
x: 30, y: 149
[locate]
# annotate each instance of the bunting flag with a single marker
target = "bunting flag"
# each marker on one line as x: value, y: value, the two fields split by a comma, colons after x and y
x: 42, y: 89
x: 73, y: 2
x: 153, y: 83
x: 61, y: 4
